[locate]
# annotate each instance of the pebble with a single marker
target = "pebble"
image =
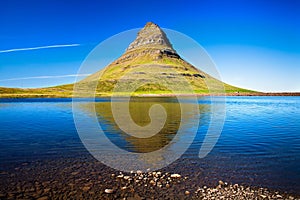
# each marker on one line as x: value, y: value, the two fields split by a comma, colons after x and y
x: 86, y: 188
x: 263, y: 196
x: 235, y: 186
x: 175, y: 176
x: 43, y: 198
x: 109, y: 191
x: 120, y: 176
x: 46, y: 190
x: 152, y: 182
x: 221, y: 183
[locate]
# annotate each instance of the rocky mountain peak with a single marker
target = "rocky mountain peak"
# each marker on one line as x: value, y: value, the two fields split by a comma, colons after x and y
x: 151, y: 36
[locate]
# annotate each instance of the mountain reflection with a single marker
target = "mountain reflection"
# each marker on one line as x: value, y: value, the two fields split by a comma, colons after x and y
x: 139, y: 111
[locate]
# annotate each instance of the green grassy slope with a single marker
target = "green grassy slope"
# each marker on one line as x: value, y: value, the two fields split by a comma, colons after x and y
x: 142, y: 64
x: 155, y: 65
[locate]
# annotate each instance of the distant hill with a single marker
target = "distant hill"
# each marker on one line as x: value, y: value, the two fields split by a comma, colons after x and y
x: 150, y: 54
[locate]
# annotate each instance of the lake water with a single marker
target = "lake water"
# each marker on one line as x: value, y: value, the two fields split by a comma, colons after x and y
x: 259, y: 144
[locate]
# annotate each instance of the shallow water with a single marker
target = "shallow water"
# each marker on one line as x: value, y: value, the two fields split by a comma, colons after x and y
x: 259, y: 144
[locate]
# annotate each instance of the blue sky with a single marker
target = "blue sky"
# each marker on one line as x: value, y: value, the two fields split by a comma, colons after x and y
x: 255, y: 44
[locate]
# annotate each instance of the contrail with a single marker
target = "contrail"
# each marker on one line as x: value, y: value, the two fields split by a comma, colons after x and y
x: 42, y: 47
x: 45, y: 77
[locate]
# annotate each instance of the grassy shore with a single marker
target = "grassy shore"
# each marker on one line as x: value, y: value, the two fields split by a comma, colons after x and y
x: 66, y: 91
x: 69, y: 94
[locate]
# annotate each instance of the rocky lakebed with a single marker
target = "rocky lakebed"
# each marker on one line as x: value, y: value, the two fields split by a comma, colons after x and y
x: 86, y: 178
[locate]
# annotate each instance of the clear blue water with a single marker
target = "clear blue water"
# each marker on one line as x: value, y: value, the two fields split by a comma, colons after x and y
x: 259, y: 144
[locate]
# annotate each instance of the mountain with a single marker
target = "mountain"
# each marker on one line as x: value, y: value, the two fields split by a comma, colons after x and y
x: 147, y: 62
x: 150, y: 55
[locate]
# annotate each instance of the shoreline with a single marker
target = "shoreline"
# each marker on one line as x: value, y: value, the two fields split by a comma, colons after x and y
x: 28, y: 96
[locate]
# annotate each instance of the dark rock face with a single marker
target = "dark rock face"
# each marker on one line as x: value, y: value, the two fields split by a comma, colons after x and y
x: 169, y: 53
x: 152, y: 36
x: 151, y: 40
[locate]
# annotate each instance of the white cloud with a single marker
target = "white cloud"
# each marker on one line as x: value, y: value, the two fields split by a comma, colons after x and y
x: 42, y: 47
x: 45, y: 77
